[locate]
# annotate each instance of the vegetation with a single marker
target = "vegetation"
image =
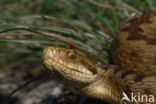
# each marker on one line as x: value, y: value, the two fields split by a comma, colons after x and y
x: 88, y: 24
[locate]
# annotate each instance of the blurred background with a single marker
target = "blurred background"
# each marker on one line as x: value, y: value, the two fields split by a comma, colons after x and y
x: 91, y: 25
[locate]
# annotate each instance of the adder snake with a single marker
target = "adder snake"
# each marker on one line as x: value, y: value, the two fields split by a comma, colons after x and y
x: 134, y: 69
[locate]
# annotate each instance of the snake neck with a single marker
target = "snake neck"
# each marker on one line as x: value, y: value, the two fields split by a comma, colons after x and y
x: 106, y: 87
x: 112, y: 82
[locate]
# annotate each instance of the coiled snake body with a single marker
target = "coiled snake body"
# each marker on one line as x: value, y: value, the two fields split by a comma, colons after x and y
x: 134, y: 69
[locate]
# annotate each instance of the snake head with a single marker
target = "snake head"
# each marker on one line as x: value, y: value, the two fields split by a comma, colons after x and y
x: 69, y: 65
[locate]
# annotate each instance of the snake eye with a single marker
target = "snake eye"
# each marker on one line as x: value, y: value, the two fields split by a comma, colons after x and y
x: 71, y: 54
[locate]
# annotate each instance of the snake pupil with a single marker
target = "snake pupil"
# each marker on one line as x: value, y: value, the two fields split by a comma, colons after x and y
x: 72, y: 55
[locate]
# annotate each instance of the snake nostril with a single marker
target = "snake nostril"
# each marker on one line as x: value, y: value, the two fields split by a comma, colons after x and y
x: 49, y: 53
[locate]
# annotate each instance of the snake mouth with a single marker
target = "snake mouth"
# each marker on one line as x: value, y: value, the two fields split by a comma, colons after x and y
x: 75, y: 69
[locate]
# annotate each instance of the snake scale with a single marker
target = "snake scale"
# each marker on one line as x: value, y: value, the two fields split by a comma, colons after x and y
x: 133, y: 71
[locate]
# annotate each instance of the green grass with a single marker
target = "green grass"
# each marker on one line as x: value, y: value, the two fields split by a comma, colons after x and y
x: 90, y: 23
